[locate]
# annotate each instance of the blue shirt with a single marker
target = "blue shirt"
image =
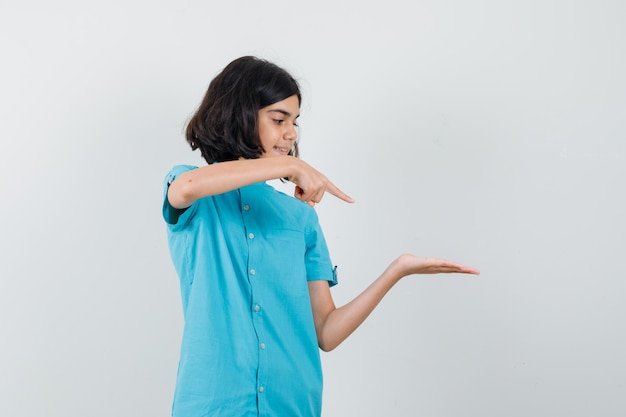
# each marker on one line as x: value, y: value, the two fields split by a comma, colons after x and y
x: 249, y: 346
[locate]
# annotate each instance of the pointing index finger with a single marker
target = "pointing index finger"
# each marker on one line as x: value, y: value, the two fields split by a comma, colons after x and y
x: 334, y: 190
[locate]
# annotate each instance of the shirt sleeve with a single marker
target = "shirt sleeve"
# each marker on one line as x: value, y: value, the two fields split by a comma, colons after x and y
x: 172, y: 215
x: 317, y: 258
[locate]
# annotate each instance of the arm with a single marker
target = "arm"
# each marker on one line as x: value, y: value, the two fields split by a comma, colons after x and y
x: 333, y: 325
x: 226, y: 176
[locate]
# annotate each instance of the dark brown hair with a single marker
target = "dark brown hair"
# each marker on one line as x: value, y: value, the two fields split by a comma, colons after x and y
x: 225, y: 126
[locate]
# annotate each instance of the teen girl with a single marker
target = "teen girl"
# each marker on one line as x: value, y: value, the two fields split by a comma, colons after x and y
x: 254, y: 269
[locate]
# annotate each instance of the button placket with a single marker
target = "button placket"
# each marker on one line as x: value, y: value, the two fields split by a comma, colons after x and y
x: 246, y: 207
x: 250, y: 230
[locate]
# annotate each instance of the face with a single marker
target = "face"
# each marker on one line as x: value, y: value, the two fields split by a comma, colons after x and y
x: 277, y: 127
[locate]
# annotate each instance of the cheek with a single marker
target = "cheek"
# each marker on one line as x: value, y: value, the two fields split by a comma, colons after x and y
x: 262, y: 135
x: 266, y: 141
x: 266, y: 135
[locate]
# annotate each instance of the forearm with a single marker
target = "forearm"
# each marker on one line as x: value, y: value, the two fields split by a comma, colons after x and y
x: 334, y: 325
x: 219, y: 178
x: 343, y: 321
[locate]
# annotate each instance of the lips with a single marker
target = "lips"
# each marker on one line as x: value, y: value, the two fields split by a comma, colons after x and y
x: 280, y: 150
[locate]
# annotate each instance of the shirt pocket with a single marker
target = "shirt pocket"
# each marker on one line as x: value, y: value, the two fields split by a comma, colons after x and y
x: 287, y: 250
x: 287, y: 242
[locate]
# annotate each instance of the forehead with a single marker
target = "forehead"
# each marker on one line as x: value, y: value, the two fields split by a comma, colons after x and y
x: 289, y: 107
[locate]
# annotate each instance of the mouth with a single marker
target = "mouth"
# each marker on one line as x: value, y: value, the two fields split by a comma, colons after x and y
x: 281, y: 150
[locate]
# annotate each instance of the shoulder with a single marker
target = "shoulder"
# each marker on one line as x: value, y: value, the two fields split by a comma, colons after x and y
x: 288, y: 211
x: 288, y: 201
x: 300, y: 213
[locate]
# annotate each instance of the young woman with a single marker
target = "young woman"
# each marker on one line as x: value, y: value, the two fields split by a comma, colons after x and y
x: 255, y: 272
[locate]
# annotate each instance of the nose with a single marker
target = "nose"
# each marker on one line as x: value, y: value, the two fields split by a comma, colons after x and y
x: 291, y: 132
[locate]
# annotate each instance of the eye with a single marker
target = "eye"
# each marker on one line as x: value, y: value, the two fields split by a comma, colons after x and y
x: 279, y: 121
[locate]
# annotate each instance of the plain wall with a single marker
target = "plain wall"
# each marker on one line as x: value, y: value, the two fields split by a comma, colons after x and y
x: 489, y: 132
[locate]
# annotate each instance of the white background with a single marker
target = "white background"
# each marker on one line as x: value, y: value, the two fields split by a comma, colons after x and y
x: 488, y: 132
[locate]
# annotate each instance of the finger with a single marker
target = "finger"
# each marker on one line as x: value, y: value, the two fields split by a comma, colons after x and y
x: 440, y: 266
x: 298, y: 192
x: 463, y: 269
x: 334, y: 190
x: 317, y: 197
x: 304, y: 195
x: 460, y: 269
x: 469, y: 270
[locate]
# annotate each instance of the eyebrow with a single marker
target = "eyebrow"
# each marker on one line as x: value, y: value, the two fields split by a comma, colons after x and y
x: 284, y: 112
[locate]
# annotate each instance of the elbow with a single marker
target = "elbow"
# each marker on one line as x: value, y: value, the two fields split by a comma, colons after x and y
x: 327, y: 345
x: 181, y: 193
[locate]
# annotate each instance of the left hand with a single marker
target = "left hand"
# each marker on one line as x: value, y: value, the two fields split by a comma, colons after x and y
x: 408, y: 265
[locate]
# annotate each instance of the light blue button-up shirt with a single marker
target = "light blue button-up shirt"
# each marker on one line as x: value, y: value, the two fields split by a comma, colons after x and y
x: 249, y: 345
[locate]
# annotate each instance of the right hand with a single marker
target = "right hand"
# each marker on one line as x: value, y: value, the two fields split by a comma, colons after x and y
x: 312, y: 184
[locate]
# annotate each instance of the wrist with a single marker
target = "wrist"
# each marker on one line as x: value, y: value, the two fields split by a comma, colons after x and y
x: 395, y: 270
x: 292, y: 167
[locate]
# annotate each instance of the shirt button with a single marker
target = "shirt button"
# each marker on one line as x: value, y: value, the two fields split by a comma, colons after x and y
x: 246, y: 207
x: 251, y: 235
x: 262, y: 345
x: 252, y: 272
x: 261, y: 388
x: 257, y: 307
